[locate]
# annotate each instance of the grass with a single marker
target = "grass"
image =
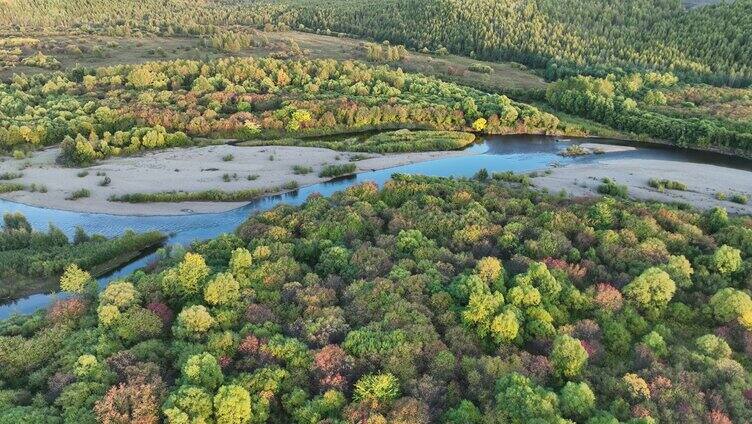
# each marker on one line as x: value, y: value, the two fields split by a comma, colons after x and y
x: 79, y: 194
x: 610, y: 188
x: 337, y: 170
x: 662, y: 185
x: 82, y: 174
x: 252, y: 177
x: 228, y: 157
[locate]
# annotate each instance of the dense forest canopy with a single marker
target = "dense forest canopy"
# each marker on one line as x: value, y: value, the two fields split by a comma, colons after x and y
x: 123, y: 109
x: 565, y: 37
x: 709, y: 43
x: 431, y: 300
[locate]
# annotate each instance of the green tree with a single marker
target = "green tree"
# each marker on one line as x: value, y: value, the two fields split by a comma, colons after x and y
x: 203, y: 370
x: 75, y: 280
x: 188, y: 277
x: 222, y: 290
x: 577, y: 400
x: 377, y: 389
x: 520, y: 401
x: 727, y: 260
x: 651, y: 290
x: 188, y: 404
x: 232, y: 405
x: 568, y: 357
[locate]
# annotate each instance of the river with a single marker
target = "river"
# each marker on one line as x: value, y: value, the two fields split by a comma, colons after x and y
x: 499, y: 153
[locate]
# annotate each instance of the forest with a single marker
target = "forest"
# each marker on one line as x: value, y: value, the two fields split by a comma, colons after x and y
x: 124, y: 109
x: 430, y: 300
x: 32, y: 261
x: 479, y: 300
x: 564, y: 38
x: 625, y: 103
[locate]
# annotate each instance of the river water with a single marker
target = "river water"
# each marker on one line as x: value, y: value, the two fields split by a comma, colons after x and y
x: 500, y: 153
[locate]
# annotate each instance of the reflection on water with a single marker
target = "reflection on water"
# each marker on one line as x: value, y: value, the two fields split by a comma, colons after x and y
x: 507, y: 153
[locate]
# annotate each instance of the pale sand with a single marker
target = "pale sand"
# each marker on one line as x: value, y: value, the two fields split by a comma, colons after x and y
x: 703, y: 181
x: 186, y: 169
x: 606, y: 148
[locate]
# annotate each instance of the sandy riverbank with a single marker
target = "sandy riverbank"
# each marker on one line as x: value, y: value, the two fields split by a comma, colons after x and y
x: 703, y: 181
x: 188, y: 169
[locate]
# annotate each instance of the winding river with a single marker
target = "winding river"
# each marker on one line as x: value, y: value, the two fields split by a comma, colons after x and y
x: 500, y: 153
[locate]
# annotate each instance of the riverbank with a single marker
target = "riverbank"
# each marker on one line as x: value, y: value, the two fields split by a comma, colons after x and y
x: 218, y: 167
x: 704, y: 181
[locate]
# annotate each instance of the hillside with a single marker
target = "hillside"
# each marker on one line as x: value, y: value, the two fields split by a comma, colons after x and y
x: 564, y: 37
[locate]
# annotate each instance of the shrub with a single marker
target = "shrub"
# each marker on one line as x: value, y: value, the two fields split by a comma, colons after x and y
x: 337, y: 170
x: 610, y: 188
x: 739, y: 198
x: 79, y: 194
x: 10, y: 175
x: 301, y: 170
x: 10, y: 187
x: 575, y: 150
x: 662, y: 185
x: 480, y: 68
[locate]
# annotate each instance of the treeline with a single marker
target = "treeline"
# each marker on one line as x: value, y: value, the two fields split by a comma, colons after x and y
x: 565, y: 38
x: 127, y: 108
x: 399, y: 141
x: 28, y: 256
x: 459, y: 301
x: 131, y: 18
x: 624, y: 103
x: 384, y: 52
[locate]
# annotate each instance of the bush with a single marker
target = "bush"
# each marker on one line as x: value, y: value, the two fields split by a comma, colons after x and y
x: 662, y: 185
x: 79, y: 194
x: 480, y: 68
x: 610, y: 188
x: 337, y: 170
x: 739, y: 198
x: 301, y: 170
